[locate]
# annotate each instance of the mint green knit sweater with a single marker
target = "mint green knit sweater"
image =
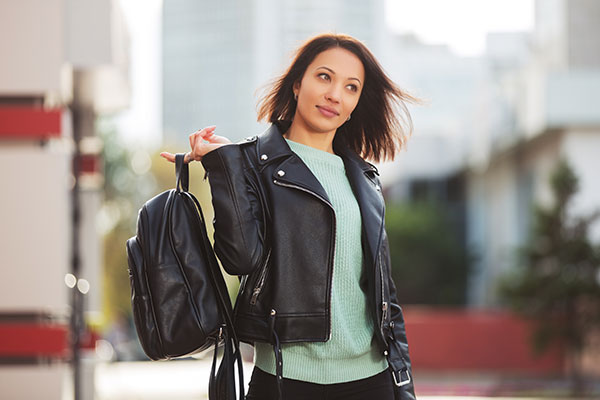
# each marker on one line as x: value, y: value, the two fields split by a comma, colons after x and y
x: 351, y: 353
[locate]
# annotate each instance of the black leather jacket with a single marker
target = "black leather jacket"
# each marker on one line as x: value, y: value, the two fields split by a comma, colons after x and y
x: 275, y: 228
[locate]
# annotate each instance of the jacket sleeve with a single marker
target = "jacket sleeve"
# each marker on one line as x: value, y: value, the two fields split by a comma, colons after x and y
x: 239, y: 227
x: 406, y: 392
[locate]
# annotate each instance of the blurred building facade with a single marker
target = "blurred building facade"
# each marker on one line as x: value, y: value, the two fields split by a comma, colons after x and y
x: 553, y: 99
x: 493, y: 127
x: 64, y: 63
x: 217, y: 54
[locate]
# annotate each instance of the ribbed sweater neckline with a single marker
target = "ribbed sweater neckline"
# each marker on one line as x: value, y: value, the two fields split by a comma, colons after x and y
x: 313, y: 153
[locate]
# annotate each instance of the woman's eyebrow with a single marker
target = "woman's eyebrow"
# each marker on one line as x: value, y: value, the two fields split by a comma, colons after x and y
x: 333, y: 72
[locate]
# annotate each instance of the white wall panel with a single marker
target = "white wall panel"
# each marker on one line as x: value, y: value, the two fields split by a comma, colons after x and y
x: 31, y: 45
x: 34, y: 228
x: 28, y: 382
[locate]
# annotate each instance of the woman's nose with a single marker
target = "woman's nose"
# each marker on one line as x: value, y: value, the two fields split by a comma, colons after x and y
x: 333, y: 94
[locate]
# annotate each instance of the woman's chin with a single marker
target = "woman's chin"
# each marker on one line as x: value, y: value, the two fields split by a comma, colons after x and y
x: 325, y: 126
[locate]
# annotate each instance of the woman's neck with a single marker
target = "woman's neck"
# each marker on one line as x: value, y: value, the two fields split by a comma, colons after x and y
x: 321, y: 141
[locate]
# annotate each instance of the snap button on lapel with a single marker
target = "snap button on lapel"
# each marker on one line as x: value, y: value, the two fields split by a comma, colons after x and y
x: 264, y: 157
x: 378, y: 188
x: 281, y: 172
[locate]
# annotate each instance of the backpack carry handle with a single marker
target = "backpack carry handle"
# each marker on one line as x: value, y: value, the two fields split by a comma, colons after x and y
x: 182, y: 172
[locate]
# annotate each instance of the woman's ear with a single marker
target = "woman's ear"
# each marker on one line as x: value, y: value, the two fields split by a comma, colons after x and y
x: 296, y: 86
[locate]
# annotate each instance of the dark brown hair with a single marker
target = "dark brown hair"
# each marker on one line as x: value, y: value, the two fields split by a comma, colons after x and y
x: 374, y: 132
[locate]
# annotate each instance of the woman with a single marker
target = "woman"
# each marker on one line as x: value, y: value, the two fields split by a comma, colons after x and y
x: 299, y: 216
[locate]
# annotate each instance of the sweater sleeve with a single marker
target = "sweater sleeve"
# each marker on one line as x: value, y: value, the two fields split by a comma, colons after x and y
x: 239, y: 224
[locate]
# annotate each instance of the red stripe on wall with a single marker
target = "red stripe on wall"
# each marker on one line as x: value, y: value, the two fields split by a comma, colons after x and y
x: 32, y: 340
x: 478, y: 340
x: 90, y: 163
x: 20, y: 122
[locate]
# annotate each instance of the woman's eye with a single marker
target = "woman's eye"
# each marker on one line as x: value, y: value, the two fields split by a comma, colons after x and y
x: 326, y: 76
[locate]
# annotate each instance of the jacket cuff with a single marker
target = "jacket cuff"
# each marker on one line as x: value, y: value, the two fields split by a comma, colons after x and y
x: 211, y: 160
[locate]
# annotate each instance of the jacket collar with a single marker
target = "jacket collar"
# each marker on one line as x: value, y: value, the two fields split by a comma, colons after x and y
x: 271, y: 146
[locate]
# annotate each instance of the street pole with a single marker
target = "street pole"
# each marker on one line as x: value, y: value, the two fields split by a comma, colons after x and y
x: 76, y: 322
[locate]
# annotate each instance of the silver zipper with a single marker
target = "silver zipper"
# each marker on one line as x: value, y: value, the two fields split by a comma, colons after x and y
x: 384, y: 305
x: 334, y: 233
x: 261, y: 280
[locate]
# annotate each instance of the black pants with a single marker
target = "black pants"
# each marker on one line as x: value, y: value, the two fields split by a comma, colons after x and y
x: 262, y: 386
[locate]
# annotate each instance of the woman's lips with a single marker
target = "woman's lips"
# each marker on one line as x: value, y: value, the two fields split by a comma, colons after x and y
x: 326, y: 112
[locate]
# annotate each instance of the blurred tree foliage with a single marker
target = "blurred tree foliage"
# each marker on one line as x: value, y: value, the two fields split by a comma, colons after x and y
x: 124, y: 192
x: 133, y: 175
x: 557, y: 280
x: 430, y: 263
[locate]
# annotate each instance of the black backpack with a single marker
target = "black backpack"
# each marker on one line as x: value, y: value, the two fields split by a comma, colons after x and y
x: 179, y: 297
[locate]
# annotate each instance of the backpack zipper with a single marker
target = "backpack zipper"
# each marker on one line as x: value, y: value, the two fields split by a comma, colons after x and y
x: 333, y: 234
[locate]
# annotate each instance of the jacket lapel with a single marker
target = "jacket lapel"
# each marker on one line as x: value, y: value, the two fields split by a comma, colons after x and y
x: 291, y: 170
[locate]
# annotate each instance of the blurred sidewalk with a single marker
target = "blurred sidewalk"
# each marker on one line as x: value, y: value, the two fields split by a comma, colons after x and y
x: 187, y: 380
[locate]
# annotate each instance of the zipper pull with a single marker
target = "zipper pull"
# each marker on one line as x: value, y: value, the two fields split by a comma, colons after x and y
x: 384, y: 307
x: 254, y: 297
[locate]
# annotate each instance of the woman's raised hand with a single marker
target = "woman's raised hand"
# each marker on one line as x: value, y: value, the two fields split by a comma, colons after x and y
x: 199, y: 147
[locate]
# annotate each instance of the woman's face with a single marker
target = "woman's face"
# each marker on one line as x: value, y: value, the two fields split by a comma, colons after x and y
x: 329, y: 90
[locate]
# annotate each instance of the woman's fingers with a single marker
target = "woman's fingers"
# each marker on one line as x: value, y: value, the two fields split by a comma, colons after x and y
x: 200, y: 148
x: 219, y: 139
x: 168, y: 156
x: 204, y: 133
x: 192, y: 140
x: 212, y: 138
x: 171, y: 157
x: 208, y: 131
